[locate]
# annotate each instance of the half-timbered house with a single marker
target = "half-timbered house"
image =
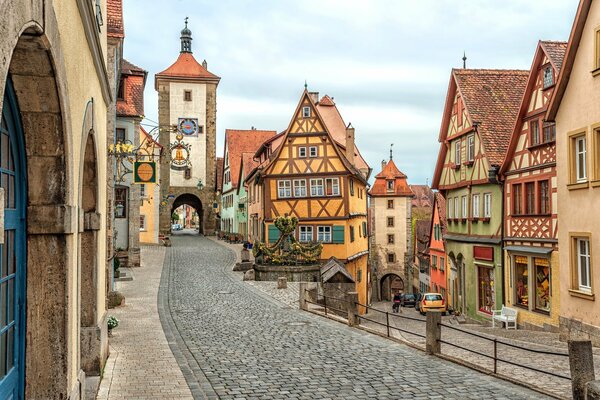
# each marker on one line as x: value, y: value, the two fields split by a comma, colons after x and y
x: 477, y: 123
x: 529, y: 175
x: 317, y: 179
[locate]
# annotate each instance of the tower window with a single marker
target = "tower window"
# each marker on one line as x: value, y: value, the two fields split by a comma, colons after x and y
x: 305, y: 112
x: 188, y: 173
x: 187, y: 95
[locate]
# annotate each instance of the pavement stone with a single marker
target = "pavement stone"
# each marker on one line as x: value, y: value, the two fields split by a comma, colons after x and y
x: 249, y: 345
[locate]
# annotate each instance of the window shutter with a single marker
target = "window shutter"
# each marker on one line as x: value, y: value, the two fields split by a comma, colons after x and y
x: 274, y: 234
x: 364, y: 224
x: 338, y: 234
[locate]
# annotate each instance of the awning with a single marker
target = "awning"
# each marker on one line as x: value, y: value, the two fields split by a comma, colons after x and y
x: 532, y: 250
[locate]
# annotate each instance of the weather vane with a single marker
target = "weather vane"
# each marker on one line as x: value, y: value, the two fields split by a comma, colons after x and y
x: 186, y: 20
x: 391, y: 151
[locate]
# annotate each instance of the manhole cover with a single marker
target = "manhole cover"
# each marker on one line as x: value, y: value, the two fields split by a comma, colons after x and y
x: 224, y: 292
x: 299, y: 323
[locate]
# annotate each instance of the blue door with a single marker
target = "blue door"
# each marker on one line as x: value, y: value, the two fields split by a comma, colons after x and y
x: 12, y: 259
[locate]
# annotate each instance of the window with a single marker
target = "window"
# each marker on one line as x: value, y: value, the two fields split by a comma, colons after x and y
x: 471, y: 148
x: 579, y: 159
x: 450, y: 208
x: 390, y: 222
x: 142, y: 190
x: 475, y: 206
x: 517, y: 199
x: 187, y: 95
x: 530, y: 198
x: 120, y: 132
x: 391, y: 257
x: 390, y: 185
x: 187, y: 173
x: 284, y: 189
x: 434, y: 260
x: 142, y: 222
x: 542, y: 284
x: 390, y: 204
x: 121, y: 89
x: 548, y: 77
x: 544, y: 198
x: 316, y: 187
x: 583, y: 264
x: 465, y: 211
x: 364, y: 226
x: 456, y: 208
x: 305, y: 112
x: 486, y: 289
x: 306, y: 234
x: 313, y: 151
x: 332, y: 187
x: 302, y: 152
x: 487, y: 205
x: 351, y: 184
x: 390, y: 239
x: 351, y: 234
x: 324, y: 234
x: 457, y: 148
x: 442, y: 264
x: 299, y: 187
x: 534, y: 132
x: 521, y: 281
x: 120, y: 202
x: 549, y: 132
x: 597, y: 55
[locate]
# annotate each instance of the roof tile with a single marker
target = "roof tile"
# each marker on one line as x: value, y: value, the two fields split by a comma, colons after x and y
x: 114, y: 19
x: 243, y: 141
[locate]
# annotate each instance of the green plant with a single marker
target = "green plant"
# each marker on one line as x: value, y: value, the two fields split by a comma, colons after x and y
x: 175, y: 216
x: 116, y: 263
x: 112, y: 322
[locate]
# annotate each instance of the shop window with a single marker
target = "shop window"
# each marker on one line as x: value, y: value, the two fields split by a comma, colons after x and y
x: 542, y: 284
x: 316, y: 187
x: 486, y: 289
x: 390, y: 239
x: 284, y: 189
x: 534, y: 132
x: 530, y: 198
x: 544, y: 197
x: 390, y: 204
x: 390, y: 222
x: 521, y: 281
x: 332, y: 187
x: 391, y: 257
x: 517, y: 198
x: 299, y: 187
x: 120, y: 202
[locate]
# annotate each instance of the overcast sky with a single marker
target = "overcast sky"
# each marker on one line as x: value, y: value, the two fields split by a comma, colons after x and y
x: 386, y: 62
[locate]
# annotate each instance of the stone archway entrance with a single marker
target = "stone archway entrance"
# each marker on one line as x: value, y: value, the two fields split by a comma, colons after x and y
x: 389, y: 285
x: 194, y: 202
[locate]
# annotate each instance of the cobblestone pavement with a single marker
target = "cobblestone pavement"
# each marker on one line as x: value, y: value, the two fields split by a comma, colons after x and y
x: 250, y: 346
x: 141, y: 365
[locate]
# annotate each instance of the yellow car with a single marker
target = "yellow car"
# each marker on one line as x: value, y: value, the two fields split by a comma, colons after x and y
x: 432, y: 301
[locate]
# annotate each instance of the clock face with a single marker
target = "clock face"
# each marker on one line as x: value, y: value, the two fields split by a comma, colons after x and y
x: 188, y: 126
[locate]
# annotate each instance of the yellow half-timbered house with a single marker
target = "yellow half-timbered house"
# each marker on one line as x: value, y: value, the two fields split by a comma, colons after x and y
x: 313, y: 177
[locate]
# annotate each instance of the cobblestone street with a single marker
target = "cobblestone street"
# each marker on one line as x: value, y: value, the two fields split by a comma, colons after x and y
x: 233, y: 341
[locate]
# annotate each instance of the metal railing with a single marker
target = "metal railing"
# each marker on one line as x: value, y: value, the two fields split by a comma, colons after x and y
x: 387, y: 320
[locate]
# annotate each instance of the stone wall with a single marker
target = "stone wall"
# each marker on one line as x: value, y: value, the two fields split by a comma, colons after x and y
x: 571, y: 329
x: 301, y: 273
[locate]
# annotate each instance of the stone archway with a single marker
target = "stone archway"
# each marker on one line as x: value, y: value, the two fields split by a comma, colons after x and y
x: 194, y: 202
x: 390, y: 284
x: 50, y: 221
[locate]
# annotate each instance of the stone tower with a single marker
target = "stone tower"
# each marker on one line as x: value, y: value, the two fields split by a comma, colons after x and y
x: 187, y: 113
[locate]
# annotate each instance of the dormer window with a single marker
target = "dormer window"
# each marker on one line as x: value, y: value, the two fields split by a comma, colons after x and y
x: 121, y: 89
x: 390, y: 185
x: 305, y: 112
x: 548, y: 77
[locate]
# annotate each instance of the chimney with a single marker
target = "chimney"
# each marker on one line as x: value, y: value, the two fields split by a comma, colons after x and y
x: 350, y: 143
x: 205, y: 64
x: 314, y: 96
x: 383, y: 164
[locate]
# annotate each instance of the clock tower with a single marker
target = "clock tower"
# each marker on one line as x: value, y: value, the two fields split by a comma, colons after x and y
x: 187, y: 113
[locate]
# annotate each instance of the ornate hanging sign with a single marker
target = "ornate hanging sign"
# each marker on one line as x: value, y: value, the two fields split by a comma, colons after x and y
x: 188, y: 126
x: 180, y: 154
x: 144, y: 172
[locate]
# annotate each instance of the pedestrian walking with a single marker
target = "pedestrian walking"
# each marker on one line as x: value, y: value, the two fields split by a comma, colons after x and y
x: 396, y: 300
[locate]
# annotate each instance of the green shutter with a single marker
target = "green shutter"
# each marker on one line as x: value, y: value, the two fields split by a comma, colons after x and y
x: 274, y: 233
x: 338, y: 234
x: 364, y: 224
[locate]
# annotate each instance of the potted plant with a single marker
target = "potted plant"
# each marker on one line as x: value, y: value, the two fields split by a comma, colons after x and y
x: 112, y: 322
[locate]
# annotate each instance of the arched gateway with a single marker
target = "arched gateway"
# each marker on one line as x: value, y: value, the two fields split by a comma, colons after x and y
x: 187, y: 94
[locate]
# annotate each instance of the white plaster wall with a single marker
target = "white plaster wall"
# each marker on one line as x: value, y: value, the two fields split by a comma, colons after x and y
x: 189, y: 109
x: 399, y: 212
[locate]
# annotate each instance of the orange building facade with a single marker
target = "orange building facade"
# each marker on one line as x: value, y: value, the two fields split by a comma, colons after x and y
x: 437, y: 248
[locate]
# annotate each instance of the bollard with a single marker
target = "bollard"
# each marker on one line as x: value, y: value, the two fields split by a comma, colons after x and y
x: 593, y: 391
x: 351, y: 306
x: 302, y: 304
x: 282, y: 282
x: 581, y: 360
x: 433, y: 332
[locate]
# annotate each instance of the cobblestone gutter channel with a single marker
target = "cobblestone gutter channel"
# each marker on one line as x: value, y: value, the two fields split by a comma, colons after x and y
x: 244, y: 344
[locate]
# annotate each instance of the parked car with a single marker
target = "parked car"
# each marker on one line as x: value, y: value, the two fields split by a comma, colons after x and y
x: 432, y: 301
x: 409, y: 300
x: 176, y: 227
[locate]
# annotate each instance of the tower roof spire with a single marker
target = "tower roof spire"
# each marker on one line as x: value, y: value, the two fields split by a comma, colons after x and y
x: 186, y: 38
x: 391, y: 151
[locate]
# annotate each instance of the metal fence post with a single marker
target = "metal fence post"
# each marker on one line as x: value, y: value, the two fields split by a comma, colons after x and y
x: 325, y: 303
x: 581, y: 360
x: 495, y: 355
x: 387, y: 323
x: 433, y: 332
x: 352, y: 308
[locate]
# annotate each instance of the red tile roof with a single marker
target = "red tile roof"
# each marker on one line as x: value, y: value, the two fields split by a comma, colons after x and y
x: 243, y: 141
x: 186, y: 67
x: 555, y: 52
x: 248, y: 163
x: 423, y: 196
x: 114, y: 19
x: 440, y: 203
x: 492, y: 98
x: 390, y: 172
x: 134, y: 79
x: 422, y: 237
x: 219, y: 180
